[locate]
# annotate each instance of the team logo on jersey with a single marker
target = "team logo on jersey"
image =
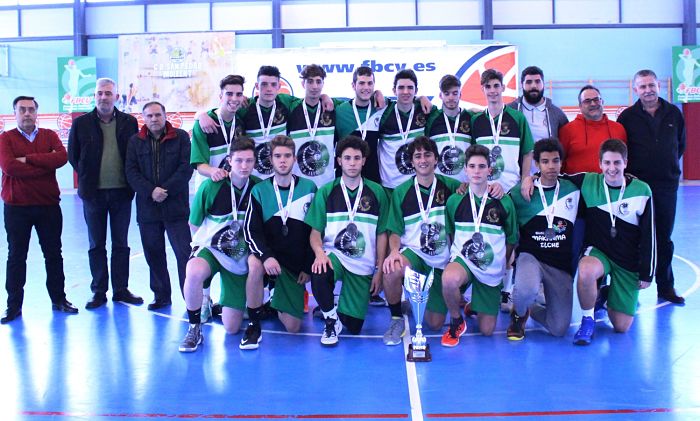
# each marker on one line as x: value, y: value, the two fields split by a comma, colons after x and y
x: 230, y: 241
x: 479, y: 253
x: 433, y: 239
x: 464, y: 127
x: 492, y: 216
x: 313, y: 158
x: 420, y: 120
x: 451, y: 160
x: 263, y: 158
x: 497, y: 166
x: 623, y: 209
x: 439, y: 197
x: 569, y: 203
x: 505, y: 128
x: 365, y: 204
x: 403, y: 161
x: 279, y: 117
x: 325, y: 119
x: 350, y: 242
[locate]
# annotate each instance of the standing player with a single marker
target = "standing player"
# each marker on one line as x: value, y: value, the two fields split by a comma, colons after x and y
x: 418, y: 239
x: 279, y: 238
x: 450, y: 128
x: 348, y: 219
x: 484, y: 233
x: 218, y: 209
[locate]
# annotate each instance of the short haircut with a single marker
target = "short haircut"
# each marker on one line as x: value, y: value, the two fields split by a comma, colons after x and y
x: 613, y: 145
x: 491, y: 74
x: 585, y: 88
x: 478, y: 150
x: 644, y: 73
x: 353, y: 142
x: 312, y: 70
x: 282, y: 140
x: 406, y: 74
x: 531, y: 71
x: 242, y: 143
x: 422, y: 143
x: 24, y: 98
x: 269, y: 71
x: 148, y: 104
x: 362, y: 71
x: 548, y: 144
x: 448, y: 82
x: 231, y: 80
x: 106, y: 81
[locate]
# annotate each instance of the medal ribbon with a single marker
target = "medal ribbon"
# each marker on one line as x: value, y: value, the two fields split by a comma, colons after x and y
x: 352, y: 210
x: 425, y: 211
x: 548, y: 209
x: 450, y: 131
x: 284, y: 209
x: 613, y: 218
x: 266, y: 129
x: 475, y: 216
x: 362, y: 127
x: 312, y: 130
x: 404, y: 133
x: 496, y: 130
x: 228, y: 135
x: 236, y: 203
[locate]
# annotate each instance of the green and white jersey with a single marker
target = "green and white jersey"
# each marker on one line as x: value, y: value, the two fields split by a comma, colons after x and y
x: 355, y: 247
x: 532, y: 219
x: 211, y: 211
x: 514, y: 142
x: 315, y: 149
x: 271, y: 127
x: 211, y: 148
x: 395, y: 164
x: 367, y: 129
x: 452, y: 141
x: 429, y: 241
x: 486, y: 259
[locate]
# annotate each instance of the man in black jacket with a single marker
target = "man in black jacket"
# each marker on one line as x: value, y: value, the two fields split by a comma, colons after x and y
x: 656, y: 141
x: 96, y: 150
x: 158, y: 169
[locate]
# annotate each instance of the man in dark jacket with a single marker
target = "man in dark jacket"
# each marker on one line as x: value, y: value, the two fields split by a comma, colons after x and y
x: 158, y: 169
x: 656, y: 141
x: 96, y: 150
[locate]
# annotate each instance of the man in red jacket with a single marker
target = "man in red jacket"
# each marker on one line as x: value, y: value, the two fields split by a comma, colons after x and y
x: 29, y: 157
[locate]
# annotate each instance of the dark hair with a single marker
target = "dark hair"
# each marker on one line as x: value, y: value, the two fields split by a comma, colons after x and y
x: 231, y: 80
x: 353, y: 142
x: 478, y: 150
x: 362, y: 71
x: 585, y: 88
x: 148, y: 104
x: 406, y: 74
x: 548, y: 144
x: 312, y: 70
x: 531, y: 71
x: 282, y: 140
x: 490, y: 74
x: 613, y: 145
x: 242, y: 143
x: 269, y: 71
x: 24, y: 98
x: 422, y: 143
x: 644, y: 73
x: 449, y: 81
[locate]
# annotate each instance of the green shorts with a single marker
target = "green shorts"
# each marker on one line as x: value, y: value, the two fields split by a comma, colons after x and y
x: 624, y: 284
x: 232, y: 285
x: 354, y: 294
x: 436, y: 301
x: 485, y: 299
x: 289, y: 295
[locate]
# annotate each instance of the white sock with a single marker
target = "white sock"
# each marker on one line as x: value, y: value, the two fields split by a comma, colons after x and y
x: 587, y: 313
x: 205, y: 296
x: 508, y: 281
x: 333, y: 314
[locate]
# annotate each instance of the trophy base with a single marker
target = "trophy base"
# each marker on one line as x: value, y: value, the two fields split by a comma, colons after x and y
x: 419, y: 355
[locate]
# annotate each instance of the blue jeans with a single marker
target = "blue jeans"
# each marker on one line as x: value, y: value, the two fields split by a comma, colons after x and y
x: 115, y: 204
x: 153, y: 240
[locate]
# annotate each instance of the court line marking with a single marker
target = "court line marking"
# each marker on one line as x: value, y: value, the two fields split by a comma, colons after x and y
x: 412, y: 377
x: 212, y: 416
x: 564, y: 412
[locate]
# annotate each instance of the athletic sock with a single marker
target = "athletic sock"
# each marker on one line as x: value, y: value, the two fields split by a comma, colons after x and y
x: 333, y: 314
x: 456, y: 322
x: 395, y: 310
x: 588, y: 313
x: 194, y: 316
x: 254, y: 315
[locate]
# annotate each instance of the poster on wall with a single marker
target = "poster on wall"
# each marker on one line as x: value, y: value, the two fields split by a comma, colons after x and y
x: 686, y: 73
x: 181, y: 71
x: 76, y: 83
x: 467, y: 62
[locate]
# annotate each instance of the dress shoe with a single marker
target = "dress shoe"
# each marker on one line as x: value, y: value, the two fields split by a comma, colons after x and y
x: 156, y: 304
x: 97, y: 300
x: 125, y: 296
x: 11, y: 314
x: 671, y: 296
x: 64, y: 306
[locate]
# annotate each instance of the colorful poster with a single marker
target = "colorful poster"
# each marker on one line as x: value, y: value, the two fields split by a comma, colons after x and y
x: 76, y: 83
x: 686, y: 73
x: 181, y: 71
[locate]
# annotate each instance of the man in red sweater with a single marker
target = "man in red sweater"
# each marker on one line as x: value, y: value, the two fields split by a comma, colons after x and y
x: 29, y: 157
x: 581, y: 138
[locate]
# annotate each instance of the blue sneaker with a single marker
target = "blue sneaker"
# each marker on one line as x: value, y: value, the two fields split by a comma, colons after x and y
x: 585, y: 331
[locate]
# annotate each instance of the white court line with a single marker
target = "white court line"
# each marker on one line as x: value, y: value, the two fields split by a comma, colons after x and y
x: 412, y: 377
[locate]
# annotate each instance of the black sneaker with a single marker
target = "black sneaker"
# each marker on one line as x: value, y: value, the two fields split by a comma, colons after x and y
x: 516, y: 330
x: 193, y: 338
x: 252, y: 337
x: 377, y: 301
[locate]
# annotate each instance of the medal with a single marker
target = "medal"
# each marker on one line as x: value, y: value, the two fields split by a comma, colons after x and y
x: 425, y: 210
x: 284, y: 210
x: 352, y: 228
x: 352, y: 210
x: 478, y: 237
x: 235, y: 204
x: 496, y: 151
x: 613, y: 232
x: 285, y: 230
x: 613, y: 217
x: 235, y: 227
x: 425, y: 228
x: 549, y: 234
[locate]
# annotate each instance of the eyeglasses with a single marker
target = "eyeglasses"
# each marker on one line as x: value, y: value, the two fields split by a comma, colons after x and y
x: 589, y: 101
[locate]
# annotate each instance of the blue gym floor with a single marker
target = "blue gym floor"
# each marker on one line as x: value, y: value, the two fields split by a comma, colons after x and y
x: 121, y: 362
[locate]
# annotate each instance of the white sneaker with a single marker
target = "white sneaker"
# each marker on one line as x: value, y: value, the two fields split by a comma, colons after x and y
x: 331, y: 331
x: 396, y: 331
x: 206, y: 309
x: 506, y: 302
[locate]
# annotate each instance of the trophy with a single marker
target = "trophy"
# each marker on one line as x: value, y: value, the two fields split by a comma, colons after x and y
x: 417, y: 287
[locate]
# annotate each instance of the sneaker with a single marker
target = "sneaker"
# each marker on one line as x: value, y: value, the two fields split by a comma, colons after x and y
x: 377, y: 301
x: 506, y: 302
x: 252, y: 337
x: 451, y: 337
x: 206, y: 310
x: 396, y: 331
x: 331, y: 332
x: 193, y: 338
x: 585, y: 331
x: 216, y: 310
x: 516, y: 330
x: 601, y: 301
